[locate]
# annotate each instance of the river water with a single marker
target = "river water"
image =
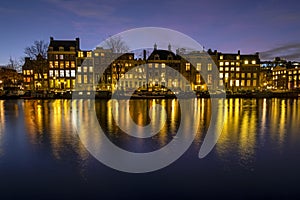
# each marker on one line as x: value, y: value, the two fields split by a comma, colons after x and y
x: 256, y: 156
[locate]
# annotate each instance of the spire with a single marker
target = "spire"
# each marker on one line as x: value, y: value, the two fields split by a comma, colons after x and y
x: 169, y: 47
x: 155, y: 46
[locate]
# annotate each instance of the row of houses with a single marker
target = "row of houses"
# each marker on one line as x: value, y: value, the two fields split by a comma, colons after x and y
x: 67, y: 67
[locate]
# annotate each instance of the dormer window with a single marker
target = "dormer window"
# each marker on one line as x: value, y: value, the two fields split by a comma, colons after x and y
x: 156, y: 57
x: 61, y: 48
x: 72, y: 48
x: 170, y: 57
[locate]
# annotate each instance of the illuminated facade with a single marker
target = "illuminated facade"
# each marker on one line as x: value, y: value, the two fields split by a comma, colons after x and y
x: 62, y: 64
x: 286, y: 79
x: 238, y: 71
x: 35, y: 73
x: 159, y: 73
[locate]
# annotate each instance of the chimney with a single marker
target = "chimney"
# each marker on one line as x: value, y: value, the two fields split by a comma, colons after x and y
x: 169, y: 47
x: 77, y: 43
x: 239, y: 52
x: 51, y: 39
x: 144, y: 54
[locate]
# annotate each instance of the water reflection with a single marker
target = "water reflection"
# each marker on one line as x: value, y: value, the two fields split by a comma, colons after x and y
x: 2, y: 125
x: 49, y: 123
x: 250, y: 126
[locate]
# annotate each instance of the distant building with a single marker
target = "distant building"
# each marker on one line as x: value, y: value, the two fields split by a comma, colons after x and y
x: 10, y: 78
x: 35, y: 73
x: 159, y: 70
x: 286, y: 79
x: 62, y: 56
x: 239, y: 71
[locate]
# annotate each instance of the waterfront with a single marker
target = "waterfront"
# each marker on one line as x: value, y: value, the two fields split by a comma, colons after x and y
x: 257, y: 154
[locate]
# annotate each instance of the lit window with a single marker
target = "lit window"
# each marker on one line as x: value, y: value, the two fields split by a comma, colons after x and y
x: 237, y: 57
x: 56, y: 73
x: 62, y: 73
x: 246, y: 62
x: 51, y: 73
x: 199, y: 66
x: 56, y: 64
x: 51, y: 64
x: 61, y: 64
x: 221, y: 63
x: 226, y: 75
x: 89, y: 54
x: 91, y: 69
x: 80, y: 54
x: 67, y: 73
x: 150, y: 65
x: 242, y: 82
x: 253, y: 62
x: 79, y: 69
x: 221, y: 57
x: 187, y: 66
x: 156, y: 65
x: 237, y: 83
x: 221, y: 82
x: 237, y: 63
x: 237, y: 69
x: 209, y: 79
x: 36, y: 76
x: 163, y: 65
x: 102, y: 54
x: 254, y: 83
x: 67, y: 64
x: 96, y: 54
x: 226, y: 68
x: 209, y: 67
x: 248, y: 83
x: 79, y: 79
x: 61, y: 56
x: 72, y: 73
x: 72, y: 64
x: 248, y: 75
x: 85, y: 69
x: 85, y: 79
x: 221, y: 69
x: 226, y: 63
x: 255, y: 75
x: 221, y: 75
x: 232, y: 63
x: 237, y: 75
x: 243, y: 75
x: 231, y: 68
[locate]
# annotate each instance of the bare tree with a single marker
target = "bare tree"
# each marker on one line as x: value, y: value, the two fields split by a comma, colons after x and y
x: 116, y: 44
x: 13, y: 63
x: 38, y: 47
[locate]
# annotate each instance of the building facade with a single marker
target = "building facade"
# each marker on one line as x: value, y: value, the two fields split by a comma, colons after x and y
x: 62, y: 56
x: 35, y: 74
x: 239, y: 72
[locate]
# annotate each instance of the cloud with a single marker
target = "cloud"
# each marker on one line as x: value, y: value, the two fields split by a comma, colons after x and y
x: 83, y: 8
x: 288, y: 51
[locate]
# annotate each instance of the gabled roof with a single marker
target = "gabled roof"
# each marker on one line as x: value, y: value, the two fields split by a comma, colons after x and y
x: 159, y: 54
x: 66, y: 44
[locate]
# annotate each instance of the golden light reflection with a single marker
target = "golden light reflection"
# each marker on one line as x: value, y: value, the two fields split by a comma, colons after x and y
x: 2, y: 125
x: 239, y: 130
x: 45, y: 119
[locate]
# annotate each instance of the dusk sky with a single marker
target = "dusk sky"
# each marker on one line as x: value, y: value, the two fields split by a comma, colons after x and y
x: 271, y: 27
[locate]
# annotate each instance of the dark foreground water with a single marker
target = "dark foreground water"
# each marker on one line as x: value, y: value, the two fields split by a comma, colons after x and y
x: 257, y: 156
